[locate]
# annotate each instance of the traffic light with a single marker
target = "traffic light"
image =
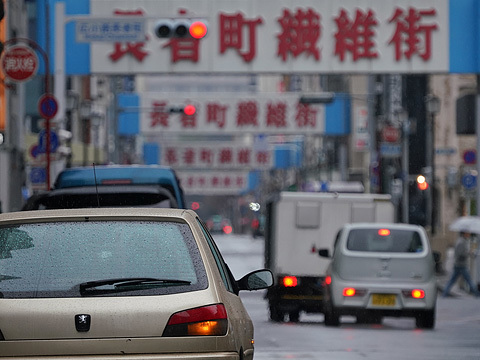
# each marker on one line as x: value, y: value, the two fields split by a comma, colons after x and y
x: 417, y: 201
x: 188, y: 109
x: 181, y: 28
x: 422, y: 183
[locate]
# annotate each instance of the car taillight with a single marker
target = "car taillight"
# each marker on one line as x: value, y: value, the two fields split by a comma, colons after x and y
x: 328, y: 280
x: 415, y: 293
x: 227, y: 229
x: 203, y: 321
x: 349, y: 292
x: 383, y: 232
x: 290, y: 281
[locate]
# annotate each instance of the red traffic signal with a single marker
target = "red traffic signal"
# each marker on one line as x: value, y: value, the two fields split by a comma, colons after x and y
x: 198, y: 29
x: 189, y: 109
x: 195, y: 205
x: 180, y: 28
x: 422, y: 183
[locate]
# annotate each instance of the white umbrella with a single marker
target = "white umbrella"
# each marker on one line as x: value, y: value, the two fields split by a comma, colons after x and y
x: 470, y: 224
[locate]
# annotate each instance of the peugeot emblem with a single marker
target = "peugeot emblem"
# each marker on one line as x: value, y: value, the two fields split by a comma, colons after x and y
x: 82, y: 322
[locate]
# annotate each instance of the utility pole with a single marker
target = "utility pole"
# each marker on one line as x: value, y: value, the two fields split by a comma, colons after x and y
x: 405, y: 159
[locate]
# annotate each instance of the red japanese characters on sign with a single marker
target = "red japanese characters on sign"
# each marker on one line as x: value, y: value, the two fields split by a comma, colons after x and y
x: 218, y: 182
x: 221, y: 113
x: 19, y: 63
x: 214, y: 156
x: 231, y: 34
x: 291, y: 37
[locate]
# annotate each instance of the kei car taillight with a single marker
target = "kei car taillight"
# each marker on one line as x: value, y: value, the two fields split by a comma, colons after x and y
x: 208, y: 320
x: 415, y: 293
x: 290, y: 281
x: 350, y: 291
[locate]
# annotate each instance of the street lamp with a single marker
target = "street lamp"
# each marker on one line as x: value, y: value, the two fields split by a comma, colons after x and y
x: 85, y: 113
x: 71, y: 105
x: 432, y: 104
x: 96, y: 119
x: 402, y: 116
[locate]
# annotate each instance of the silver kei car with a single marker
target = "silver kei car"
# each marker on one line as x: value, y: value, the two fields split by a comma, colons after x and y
x: 135, y: 283
x: 381, y: 270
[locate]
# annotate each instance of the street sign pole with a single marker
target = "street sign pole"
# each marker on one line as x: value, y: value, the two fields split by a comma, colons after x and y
x: 42, y: 52
x: 47, y: 107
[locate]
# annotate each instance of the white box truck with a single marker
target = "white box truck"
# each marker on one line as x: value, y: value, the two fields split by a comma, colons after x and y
x: 298, y: 224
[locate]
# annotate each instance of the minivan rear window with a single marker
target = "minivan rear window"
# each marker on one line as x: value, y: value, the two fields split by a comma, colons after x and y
x: 77, y: 258
x: 384, y: 240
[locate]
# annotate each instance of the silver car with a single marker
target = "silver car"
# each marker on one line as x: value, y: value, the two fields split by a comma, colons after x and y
x: 381, y: 270
x: 133, y: 283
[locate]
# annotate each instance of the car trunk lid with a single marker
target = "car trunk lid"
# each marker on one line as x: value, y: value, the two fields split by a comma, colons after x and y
x: 49, y: 324
x: 388, y: 267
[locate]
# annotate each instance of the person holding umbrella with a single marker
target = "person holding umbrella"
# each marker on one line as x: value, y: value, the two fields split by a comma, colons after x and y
x: 460, y: 268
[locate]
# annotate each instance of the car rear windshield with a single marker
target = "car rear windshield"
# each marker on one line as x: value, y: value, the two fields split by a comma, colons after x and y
x: 60, y: 259
x: 385, y: 240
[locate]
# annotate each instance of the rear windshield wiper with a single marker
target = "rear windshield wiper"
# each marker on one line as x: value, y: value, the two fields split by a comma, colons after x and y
x: 126, y: 284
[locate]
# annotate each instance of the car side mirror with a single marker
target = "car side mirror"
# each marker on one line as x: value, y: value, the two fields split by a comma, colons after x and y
x: 256, y: 280
x: 324, y: 253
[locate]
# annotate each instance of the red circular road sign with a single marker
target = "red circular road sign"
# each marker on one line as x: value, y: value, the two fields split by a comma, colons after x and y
x: 19, y: 63
x: 47, y: 106
x: 390, y: 134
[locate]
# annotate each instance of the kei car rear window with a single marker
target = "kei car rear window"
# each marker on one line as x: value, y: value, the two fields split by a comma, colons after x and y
x: 57, y: 259
x: 385, y: 240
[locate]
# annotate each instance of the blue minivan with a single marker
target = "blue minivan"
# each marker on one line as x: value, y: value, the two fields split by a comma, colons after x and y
x: 112, y: 186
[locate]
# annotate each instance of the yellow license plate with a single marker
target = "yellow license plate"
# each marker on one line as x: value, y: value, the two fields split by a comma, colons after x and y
x: 384, y: 299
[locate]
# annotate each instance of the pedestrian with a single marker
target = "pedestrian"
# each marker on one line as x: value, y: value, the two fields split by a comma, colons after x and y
x: 461, y: 255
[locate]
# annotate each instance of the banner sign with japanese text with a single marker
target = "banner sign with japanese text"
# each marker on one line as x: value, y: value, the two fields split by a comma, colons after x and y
x: 227, y: 114
x: 290, y: 36
x: 213, y: 182
x: 228, y: 156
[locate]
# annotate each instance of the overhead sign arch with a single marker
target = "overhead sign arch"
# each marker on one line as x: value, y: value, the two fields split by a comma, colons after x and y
x: 356, y: 36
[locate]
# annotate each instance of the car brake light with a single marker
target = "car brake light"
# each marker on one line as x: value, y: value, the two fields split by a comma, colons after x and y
x: 290, y: 281
x: 348, y: 292
x: 203, y: 321
x: 328, y: 280
x: 418, y: 294
x: 415, y: 293
x: 116, y: 181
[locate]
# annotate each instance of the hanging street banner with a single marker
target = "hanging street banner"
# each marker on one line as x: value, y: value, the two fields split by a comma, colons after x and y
x: 271, y: 36
x: 205, y: 155
x: 213, y: 182
x: 282, y: 37
x: 227, y: 114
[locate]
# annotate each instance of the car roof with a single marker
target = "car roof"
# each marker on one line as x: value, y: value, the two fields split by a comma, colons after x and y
x: 130, y: 195
x: 106, y: 189
x: 90, y: 176
x: 369, y: 225
x: 100, y: 213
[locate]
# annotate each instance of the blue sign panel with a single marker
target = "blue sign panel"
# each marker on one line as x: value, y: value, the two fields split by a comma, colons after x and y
x: 469, y: 181
x: 42, y: 141
x: 38, y: 175
x: 118, y: 30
